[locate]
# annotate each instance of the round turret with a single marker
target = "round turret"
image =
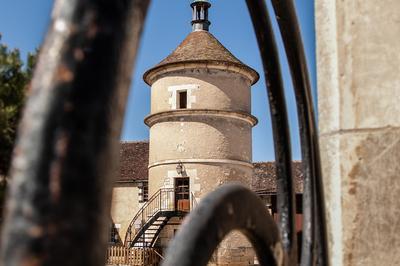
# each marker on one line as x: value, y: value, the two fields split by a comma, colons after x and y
x: 200, y: 116
x: 200, y: 121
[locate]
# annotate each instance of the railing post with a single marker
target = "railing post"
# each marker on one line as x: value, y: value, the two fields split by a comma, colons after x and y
x: 160, y: 200
x: 126, y: 254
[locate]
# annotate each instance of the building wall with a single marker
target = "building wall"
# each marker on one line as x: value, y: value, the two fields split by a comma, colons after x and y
x: 125, y: 204
x: 204, y: 177
x: 211, y: 138
x: 226, y: 138
x: 358, y: 61
x: 208, y: 89
x: 234, y: 250
x: 168, y: 232
x: 214, y: 148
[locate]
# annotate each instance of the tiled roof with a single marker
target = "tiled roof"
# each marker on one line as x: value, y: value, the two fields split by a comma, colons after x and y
x: 264, y: 177
x: 201, y: 47
x: 198, y: 46
x: 134, y: 159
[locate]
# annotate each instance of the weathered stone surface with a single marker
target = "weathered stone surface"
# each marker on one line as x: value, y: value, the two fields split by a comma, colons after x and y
x: 358, y: 64
x: 369, y: 63
x: 122, y: 206
x: 235, y: 250
x: 208, y: 88
x: 358, y: 60
x: 371, y: 207
x: 330, y: 158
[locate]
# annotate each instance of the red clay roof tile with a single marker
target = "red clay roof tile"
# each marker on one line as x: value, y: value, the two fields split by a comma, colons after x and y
x: 201, y: 47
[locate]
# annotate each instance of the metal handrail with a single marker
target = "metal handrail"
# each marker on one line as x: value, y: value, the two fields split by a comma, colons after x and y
x: 162, y: 200
x: 158, y: 254
x: 314, y: 247
x: 280, y: 125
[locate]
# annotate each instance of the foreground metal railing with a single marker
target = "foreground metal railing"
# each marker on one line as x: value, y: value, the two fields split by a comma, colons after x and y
x: 63, y: 160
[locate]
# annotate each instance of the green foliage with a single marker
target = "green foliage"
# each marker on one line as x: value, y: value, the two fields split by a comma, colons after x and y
x: 14, y: 80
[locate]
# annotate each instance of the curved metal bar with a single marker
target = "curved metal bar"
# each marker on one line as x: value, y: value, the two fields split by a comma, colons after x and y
x: 63, y: 163
x: 230, y: 207
x: 280, y: 125
x: 314, y: 231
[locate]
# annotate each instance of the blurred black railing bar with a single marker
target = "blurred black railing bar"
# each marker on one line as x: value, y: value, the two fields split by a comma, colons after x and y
x: 59, y: 200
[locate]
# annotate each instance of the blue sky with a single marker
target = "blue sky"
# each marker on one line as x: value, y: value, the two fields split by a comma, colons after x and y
x: 23, y: 24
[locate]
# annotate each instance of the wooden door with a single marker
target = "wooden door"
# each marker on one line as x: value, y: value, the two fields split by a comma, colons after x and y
x: 182, y: 194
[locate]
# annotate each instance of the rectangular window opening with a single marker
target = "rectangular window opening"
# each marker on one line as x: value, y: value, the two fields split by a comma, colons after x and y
x: 114, y: 234
x: 182, y: 98
x: 143, y: 192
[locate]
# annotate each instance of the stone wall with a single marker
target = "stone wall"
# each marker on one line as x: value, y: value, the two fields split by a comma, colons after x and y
x: 210, y: 137
x: 207, y: 89
x: 168, y: 232
x: 358, y: 61
x: 234, y: 250
x: 124, y: 206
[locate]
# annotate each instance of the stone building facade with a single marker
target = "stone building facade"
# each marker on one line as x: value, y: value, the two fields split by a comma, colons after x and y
x: 201, y: 122
x: 358, y: 59
x: 200, y: 138
x: 130, y: 191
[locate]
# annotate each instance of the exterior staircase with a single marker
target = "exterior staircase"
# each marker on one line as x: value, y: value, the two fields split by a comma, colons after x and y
x: 148, y: 234
x: 147, y: 224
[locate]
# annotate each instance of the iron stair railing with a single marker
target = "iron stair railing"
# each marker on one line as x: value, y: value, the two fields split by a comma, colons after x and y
x: 160, y: 205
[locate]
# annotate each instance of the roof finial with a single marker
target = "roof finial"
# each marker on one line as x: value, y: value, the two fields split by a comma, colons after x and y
x: 200, y: 15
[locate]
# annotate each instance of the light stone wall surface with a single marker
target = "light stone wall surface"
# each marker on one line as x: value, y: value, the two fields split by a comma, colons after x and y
x: 124, y: 206
x: 201, y: 137
x: 214, y: 147
x: 215, y: 89
x: 358, y: 62
x: 234, y: 250
x: 204, y: 177
x: 168, y: 232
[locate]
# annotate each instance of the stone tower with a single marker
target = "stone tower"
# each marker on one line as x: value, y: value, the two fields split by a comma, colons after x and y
x: 200, y: 121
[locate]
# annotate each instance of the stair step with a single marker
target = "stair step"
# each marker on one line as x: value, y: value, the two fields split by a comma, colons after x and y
x: 155, y: 221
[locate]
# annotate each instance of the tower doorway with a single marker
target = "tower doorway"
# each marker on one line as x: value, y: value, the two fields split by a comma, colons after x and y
x: 182, y: 194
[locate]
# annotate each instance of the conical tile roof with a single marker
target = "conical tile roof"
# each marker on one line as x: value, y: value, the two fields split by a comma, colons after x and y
x: 201, y: 47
